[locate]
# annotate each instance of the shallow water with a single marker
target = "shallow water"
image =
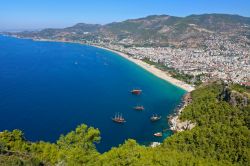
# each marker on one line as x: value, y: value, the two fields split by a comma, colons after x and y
x: 48, y: 88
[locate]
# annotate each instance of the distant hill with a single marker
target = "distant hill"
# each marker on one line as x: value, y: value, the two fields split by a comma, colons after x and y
x: 156, y: 30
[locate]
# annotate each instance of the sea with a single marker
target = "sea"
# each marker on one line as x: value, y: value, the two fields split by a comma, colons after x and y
x: 49, y: 88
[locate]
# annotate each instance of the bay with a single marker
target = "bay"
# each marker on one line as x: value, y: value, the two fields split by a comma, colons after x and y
x: 48, y: 88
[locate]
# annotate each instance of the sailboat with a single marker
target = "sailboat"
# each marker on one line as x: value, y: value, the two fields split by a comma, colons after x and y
x: 118, y: 118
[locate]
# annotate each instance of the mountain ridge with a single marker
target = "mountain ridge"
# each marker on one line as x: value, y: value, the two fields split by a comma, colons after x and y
x: 156, y: 30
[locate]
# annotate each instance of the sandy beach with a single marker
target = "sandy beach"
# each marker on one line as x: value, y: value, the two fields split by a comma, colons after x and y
x: 152, y: 69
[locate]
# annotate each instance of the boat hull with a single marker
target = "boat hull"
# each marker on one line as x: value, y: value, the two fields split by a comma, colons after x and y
x: 158, y: 134
x: 136, y: 92
x: 139, y: 108
x: 155, y: 119
x: 118, y: 120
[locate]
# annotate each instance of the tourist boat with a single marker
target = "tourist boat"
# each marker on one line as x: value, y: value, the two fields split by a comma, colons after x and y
x: 139, y: 108
x: 118, y: 118
x: 136, y: 91
x: 158, y: 134
x: 155, y: 118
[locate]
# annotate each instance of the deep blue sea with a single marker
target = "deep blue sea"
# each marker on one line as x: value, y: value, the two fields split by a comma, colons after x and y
x: 48, y: 88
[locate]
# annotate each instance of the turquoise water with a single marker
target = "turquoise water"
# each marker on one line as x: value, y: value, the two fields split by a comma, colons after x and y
x: 48, y: 88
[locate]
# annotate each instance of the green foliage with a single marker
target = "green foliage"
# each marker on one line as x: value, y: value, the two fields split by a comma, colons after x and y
x: 221, y: 130
x: 75, y: 148
x: 221, y: 137
x: 240, y: 88
x: 18, y: 161
x: 130, y: 153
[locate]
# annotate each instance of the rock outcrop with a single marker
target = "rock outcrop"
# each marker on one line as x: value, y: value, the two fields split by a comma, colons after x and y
x: 175, y: 123
x: 233, y: 97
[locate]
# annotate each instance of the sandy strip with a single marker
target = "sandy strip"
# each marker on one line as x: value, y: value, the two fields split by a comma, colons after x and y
x: 152, y: 69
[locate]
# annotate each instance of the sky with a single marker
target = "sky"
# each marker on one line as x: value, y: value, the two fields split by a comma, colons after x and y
x: 39, y: 14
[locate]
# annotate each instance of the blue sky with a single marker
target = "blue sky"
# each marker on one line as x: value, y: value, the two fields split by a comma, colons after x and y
x: 37, y: 14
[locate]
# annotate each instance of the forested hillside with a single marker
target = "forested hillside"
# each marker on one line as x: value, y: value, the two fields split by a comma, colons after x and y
x: 221, y: 137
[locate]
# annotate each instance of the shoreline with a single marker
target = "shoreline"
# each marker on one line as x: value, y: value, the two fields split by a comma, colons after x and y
x: 177, y: 125
x: 164, y: 75
x: 153, y: 70
x: 174, y: 122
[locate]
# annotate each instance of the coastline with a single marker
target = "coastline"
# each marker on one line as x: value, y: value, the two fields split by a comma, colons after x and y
x: 164, y: 75
x: 177, y: 125
x: 153, y: 70
x: 174, y: 122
